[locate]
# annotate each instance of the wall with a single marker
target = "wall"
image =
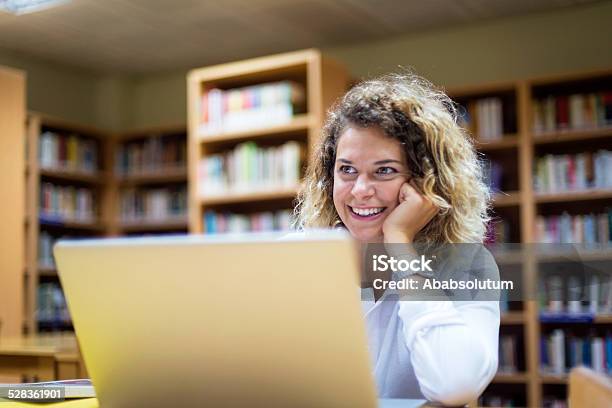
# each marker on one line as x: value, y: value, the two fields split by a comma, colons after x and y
x: 57, y: 90
x: 566, y: 40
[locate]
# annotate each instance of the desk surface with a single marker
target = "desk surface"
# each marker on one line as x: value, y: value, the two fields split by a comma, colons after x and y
x: 93, y: 403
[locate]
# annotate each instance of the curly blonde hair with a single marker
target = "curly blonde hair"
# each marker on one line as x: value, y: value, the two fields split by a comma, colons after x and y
x: 445, y: 166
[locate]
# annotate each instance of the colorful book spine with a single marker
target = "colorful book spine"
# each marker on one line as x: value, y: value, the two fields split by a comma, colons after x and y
x: 153, y: 205
x: 250, y: 107
x: 52, y: 311
x: 67, y: 153
x: 572, y: 112
x: 153, y: 155
x: 573, y: 298
x: 562, y: 350
x: 249, y: 168
x: 591, y: 229
x: 562, y: 173
x: 67, y: 203
x: 220, y: 222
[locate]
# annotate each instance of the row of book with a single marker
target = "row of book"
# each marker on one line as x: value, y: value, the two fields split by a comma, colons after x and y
x: 248, y: 168
x: 51, y: 305
x: 561, y: 173
x: 67, y: 152
x: 159, y: 204
x: 508, y: 355
x: 498, y: 401
x: 219, y: 223
x: 67, y: 203
x: 575, y: 295
x: 152, y: 155
x: 572, y: 112
x: 489, y: 119
x: 562, y: 350
x: 45, y: 250
x: 250, y: 107
x: 578, y: 229
x: 549, y: 401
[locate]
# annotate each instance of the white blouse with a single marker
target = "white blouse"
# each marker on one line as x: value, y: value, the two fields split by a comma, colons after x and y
x: 443, y: 351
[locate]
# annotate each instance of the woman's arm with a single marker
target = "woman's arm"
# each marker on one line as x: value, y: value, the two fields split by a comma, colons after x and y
x: 453, y: 347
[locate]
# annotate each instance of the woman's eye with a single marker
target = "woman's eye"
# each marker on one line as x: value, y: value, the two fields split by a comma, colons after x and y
x: 386, y: 171
x: 347, y: 170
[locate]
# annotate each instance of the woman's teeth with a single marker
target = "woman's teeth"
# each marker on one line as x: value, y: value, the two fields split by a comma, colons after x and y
x: 366, y: 212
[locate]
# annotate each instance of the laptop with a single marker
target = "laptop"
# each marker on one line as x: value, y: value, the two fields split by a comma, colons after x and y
x: 237, y: 320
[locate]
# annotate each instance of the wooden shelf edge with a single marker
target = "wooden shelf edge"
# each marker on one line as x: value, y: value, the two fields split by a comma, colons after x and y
x: 71, y: 224
x: 265, y: 195
x: 512, y: 318
x: 553, y: 378
x: 253, y: 66
x: 505, y: 142
x: 583, y: 195
x: 171, y: 175
x: 506, y: 199
x: 68, y: 175
x: 47, y: 271
x: 510, y: 378
x: 147, y: 225
x: 298, y: 123
x: 571, y: 135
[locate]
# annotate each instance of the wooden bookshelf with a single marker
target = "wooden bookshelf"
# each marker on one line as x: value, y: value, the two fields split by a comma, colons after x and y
x: 58, y: 226
x: 322, y: 81
x: 517, y: 149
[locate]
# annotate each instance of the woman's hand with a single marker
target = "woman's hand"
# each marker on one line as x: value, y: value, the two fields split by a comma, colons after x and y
x: 412, y: 214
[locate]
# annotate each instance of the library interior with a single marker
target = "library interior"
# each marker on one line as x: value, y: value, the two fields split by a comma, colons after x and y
x: 132, y: 118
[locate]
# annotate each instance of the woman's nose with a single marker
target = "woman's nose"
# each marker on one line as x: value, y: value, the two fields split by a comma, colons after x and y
x: 363, y: 186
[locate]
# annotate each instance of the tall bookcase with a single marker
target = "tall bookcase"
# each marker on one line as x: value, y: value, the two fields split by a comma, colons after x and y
x: 249, y: 88
x: 518, y: 125
x: 67, y: 196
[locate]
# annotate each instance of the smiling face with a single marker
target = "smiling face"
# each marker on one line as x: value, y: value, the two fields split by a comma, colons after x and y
x: 369, y: 171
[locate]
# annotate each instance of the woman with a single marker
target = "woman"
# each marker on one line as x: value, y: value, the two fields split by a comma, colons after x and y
x: 394, y: 167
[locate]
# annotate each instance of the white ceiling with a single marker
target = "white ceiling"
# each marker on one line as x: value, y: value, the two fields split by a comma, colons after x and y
x: 141, y: 36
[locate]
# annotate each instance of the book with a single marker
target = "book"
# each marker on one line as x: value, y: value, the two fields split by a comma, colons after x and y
x: 250, y: 168
x: 263, y: 105
x: 67, y: 152
x: 155, y: 154
x: 226, y: 222
x: 577, y: 111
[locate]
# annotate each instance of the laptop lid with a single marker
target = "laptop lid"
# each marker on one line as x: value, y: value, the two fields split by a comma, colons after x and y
x: 246, y: 320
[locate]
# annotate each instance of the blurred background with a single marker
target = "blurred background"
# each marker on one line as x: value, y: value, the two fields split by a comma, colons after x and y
x: 148, y: 117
